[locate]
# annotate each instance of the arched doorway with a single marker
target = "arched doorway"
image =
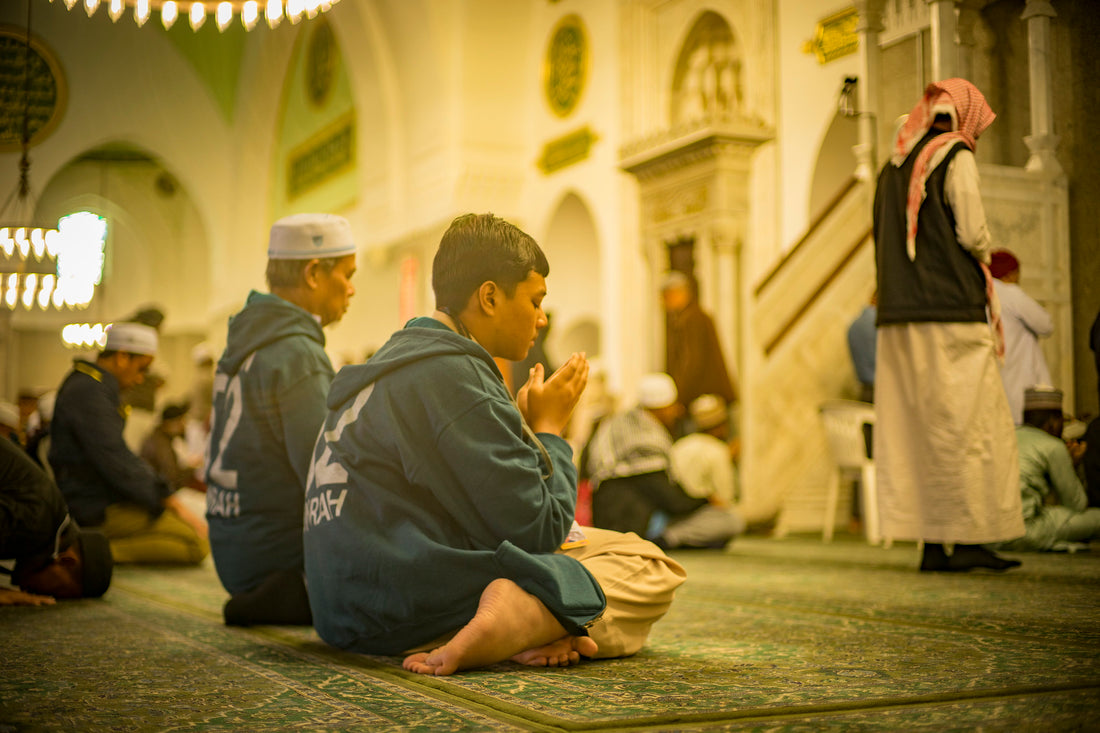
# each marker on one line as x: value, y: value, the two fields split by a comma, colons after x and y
x: 156, y: 252
x: 574, y: 286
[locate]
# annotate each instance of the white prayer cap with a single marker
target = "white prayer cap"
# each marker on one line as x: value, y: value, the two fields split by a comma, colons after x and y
x: 131, y: 338
x: 656, y: 391
x: 708, y: 411
x: 675, y: 279
x: 306, y: 236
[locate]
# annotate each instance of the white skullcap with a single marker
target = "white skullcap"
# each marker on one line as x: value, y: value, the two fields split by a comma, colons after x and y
x: 305, y: 236
x: 656, y: 391
x: 708, y: 411
x: 675, y: 279
x: 132, y: 338
x: 9, y: 415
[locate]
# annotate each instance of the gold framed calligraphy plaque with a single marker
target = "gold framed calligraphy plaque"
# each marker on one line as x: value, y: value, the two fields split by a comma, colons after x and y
x: 565, y: 68
x: 33, y: 84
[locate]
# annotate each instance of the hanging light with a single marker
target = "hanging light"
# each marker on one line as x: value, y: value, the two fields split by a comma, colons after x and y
x: 168, y: 13
x: 27, y: 250
x: 197, y: 16
x: 141, y: 12
x: 223, y: 11
x: 224, y: 15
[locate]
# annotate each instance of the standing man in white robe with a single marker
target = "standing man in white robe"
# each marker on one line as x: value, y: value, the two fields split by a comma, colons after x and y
x: 1025, y: 323
x: 944, y: 448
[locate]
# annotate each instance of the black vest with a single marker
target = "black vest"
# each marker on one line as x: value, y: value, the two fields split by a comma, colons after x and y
x: 944, y: 283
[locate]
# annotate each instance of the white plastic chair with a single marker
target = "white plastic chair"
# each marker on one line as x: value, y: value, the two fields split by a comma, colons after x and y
x: 844, y: 421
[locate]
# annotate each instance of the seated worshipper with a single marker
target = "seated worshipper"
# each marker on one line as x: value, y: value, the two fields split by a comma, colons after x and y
x: 106, y: 485
x: 439, y: 511
x: 862, y: 336
x: 269, y: 402
x: 704, y: 462
x: 53, y: 557
x: 1056, y: 510
x: 160, y: 448
x: 1025, y: 322
x: 632, y: 490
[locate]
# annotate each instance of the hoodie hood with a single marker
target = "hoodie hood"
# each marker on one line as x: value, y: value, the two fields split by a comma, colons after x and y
x: 265, y: 319
x: 421, y: 338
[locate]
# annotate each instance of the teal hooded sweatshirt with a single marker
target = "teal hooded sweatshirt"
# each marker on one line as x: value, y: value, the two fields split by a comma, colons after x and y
x: 269, y: 402
x: 426, y: 487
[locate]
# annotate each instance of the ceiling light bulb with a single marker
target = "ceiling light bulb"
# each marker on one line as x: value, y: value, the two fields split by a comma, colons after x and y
x: 90, y: 6
x: 21, y: 241
x: 53, y: 240
x: 30, y: 284
x: 224, y: 15
x: 274, y: 12
x: 141, y: 12
x: 38, y: 243
x: 250, y: 12
x: 168, y: 13
x: 197, y: 15
x: 114, y: 10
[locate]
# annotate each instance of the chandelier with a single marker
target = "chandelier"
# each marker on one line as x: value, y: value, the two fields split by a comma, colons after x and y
x: 55, y: 267
x: 196, y: 11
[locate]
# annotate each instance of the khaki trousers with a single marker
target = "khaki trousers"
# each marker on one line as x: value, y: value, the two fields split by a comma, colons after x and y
x: 638, y: 580
x: 136, y: 537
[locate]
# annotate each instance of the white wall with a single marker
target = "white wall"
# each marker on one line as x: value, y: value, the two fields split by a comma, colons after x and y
x: 808, y: 95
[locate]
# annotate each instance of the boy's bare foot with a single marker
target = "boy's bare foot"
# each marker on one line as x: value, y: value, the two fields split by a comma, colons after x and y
x: 509, y: 621
x: 561, y: 653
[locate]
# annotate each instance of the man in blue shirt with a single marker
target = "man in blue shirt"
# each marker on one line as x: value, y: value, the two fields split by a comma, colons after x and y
x: 862, y: 337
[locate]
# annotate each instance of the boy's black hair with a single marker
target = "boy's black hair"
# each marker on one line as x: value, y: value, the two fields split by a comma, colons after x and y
x: 480, y: 247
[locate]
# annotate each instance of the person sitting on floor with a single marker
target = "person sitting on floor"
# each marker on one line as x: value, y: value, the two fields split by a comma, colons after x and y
x: 269, y: 402
x: 703, y: 463
x: 106, y: 485
x: 1056, y: 509
x: 53, y: 557
x: 629, y: 461
x: 438, y: 506
x: 159, y: 448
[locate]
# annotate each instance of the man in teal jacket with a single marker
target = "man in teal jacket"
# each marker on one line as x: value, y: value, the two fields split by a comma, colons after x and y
x: 269, y: 402
x: 437, y: 508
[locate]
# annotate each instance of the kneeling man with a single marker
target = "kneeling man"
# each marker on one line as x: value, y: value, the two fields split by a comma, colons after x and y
x: 437, y: 508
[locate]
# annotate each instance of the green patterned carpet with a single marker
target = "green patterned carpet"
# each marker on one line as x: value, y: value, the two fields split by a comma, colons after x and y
x: 776, y: 635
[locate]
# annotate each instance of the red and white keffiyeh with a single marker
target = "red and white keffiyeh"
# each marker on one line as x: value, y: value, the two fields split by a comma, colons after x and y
x: 970, y: 115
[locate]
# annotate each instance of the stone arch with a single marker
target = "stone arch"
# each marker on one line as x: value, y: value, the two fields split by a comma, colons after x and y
x: 707, y: 82
x: 158, y: 248
x: 574, y: 286
x: 835, y: 163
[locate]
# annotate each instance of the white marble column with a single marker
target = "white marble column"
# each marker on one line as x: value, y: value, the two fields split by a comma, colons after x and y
x: 867, y: 89
x: 968, y: 18
x: 1042, y: 141
x: 944, y: 22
